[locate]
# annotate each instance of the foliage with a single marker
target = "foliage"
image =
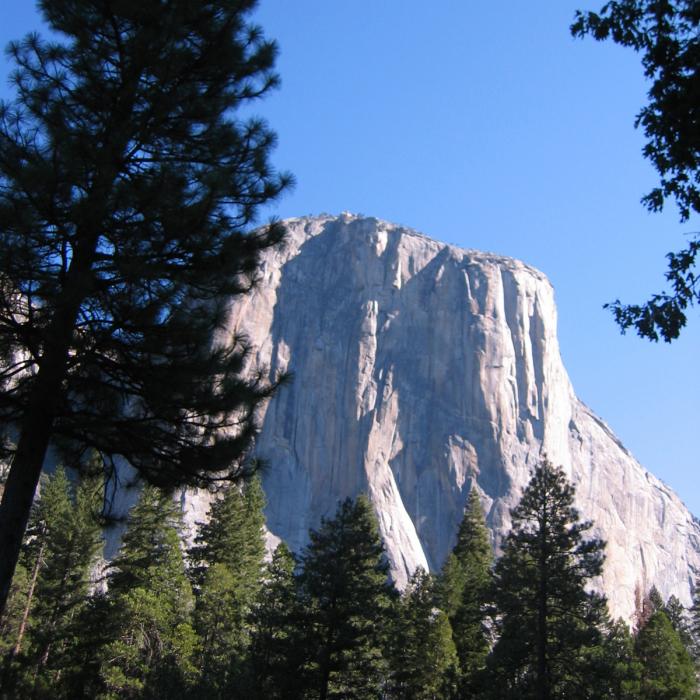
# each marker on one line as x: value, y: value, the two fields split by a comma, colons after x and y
x: 233, y: 535
x: 423, y: 655
x: 11, y: 617
x: 548, y: 623
x: 667, y: 37
x: 229, y: 550
x: 471, y: 556
x: 650, y: 602
x: 345, y: 591
x: 464, y: 585
x: 277, y: 632
x: 668, y: 672
x: 680, y: 621
x: 615, y: 670
x: 152, y: 643
x: 69, y: 531
x: 694, y: 622
x: 336, y: 628
x: 64, y: 542
x: 127, y: 186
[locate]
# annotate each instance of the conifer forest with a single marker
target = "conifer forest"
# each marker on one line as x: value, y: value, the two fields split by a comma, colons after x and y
x: 132, y: 189
x: 220, y: 619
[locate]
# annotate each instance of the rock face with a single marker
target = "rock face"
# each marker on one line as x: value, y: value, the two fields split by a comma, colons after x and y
x: 422, y: 370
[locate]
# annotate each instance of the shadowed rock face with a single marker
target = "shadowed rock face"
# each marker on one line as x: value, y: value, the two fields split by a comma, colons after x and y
x: 422, y: 370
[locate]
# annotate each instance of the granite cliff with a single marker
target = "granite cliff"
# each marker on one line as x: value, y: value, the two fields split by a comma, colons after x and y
x: 422, y: 370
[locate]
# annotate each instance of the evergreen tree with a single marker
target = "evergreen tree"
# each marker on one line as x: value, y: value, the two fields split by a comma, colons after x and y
x: 229, y: 551
x: 655, y: 601
x: 423, y: 655
x: 127, y: 187
x: 151, y: 648
x: 11, y: 618
x: 694, y: 622
x: 12, y: 623
x: 695, y: 613
x: 668, y: 672
x: 94, y: 628
x: 646, y: 606
x: 347, y: 595
x: 679, y: 619
x: 615, y: 670
x: 277, y: 632
x: 69, y: 530
x: 63, y: 545
x: 546, y: 619
x: 234, y: 535
x: 463, y: 592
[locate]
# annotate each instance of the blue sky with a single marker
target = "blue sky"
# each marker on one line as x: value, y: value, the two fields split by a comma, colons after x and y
x: 486, y: 125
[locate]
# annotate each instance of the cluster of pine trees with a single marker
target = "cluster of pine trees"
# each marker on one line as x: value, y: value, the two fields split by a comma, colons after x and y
x: 217, y: 621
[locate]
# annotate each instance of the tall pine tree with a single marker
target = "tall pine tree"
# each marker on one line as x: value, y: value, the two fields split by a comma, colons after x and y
x: 348, y: 597
x: 546, y: 619
x: 678, y: 617
x: 229, y: 552
x: 463, y: 593
x: 127, y: 188
x: 152, y: 645
x: 667, y: 669
x: 277, y: 632
x: 63, y: 546
x: 234, y: 535
x: 13, y: 622
x: 423, y: 658
x: 72, y: 540
x: 695, y: 619
x: 615, y: 670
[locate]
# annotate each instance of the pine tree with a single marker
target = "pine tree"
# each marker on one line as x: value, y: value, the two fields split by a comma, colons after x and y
x: 694, y: 622
x: 11, y: 618
x: 12, y: 623
x: 127, y: 188
x: 546, y: 619
x: 94, y: 631
x: 616, y: 672
x: 63, y: 545
x: 234, y: 535
x: 668, y: 672
x: 679, y: 619
x: 277, y: 632
x: 463, y: 592
x: 423, y: 655
x: 229, y: 552
x: 345, y: 589
x: 152, y: 643
x: 646, y: 605
x: 72, y: 540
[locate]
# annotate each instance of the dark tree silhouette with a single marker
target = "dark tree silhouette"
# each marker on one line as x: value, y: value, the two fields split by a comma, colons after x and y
x: 127, y: 186
x: 667, y: 36
x: 345, y: 590
x: 548, y: 622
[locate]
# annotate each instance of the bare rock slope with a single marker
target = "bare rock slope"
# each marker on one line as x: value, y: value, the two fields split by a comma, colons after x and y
x: 422, y: 370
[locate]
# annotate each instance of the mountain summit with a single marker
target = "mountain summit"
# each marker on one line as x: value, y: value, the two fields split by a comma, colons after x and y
x: 421, y: 371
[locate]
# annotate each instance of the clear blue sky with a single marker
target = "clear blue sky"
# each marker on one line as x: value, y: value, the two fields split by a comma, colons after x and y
x: 487, y: 126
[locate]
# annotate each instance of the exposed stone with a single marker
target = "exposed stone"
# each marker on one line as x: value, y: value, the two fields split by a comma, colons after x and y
x: 420, y: 370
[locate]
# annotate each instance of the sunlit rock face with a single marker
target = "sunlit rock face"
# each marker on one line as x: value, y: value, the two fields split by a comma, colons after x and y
x: 422, y: 370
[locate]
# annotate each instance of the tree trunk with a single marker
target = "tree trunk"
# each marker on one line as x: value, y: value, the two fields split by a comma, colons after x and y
x: 22, y: 481
x: 30, y: 596
x: 45, y: 397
